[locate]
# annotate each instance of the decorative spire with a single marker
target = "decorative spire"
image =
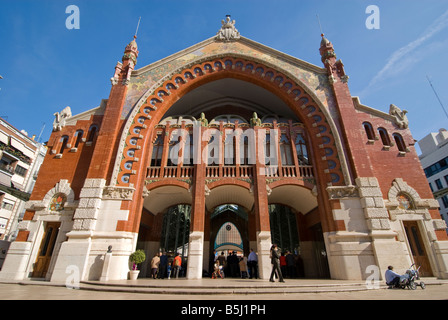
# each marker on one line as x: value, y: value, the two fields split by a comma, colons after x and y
x: 334, y: 67
x: 326, y: 49
x: 131, y: 51
x: 129, y: 60
x: 228, y: 32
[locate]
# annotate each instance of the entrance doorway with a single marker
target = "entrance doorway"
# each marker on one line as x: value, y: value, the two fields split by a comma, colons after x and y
x: 417, y: 248
x: 283, y: 227
x: 46, y: 250
x: 229, y: 235
x: 175, y: 233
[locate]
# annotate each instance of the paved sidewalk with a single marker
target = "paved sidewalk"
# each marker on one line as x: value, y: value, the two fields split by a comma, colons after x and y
x: 37, y: 290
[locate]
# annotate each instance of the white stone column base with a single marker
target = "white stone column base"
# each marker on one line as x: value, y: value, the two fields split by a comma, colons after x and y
x: 263, y: 250
x: 441, y: 252
x: 195, y: 255
x: 15, y: 266
x: 72, y: 260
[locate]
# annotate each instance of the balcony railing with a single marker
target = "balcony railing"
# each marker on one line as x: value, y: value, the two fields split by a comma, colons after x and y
x: 170, y: 172
x: 244, y: 171
x: 228, y: 171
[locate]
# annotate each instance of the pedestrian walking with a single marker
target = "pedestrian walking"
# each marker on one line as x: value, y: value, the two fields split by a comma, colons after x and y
x: 275, y: 260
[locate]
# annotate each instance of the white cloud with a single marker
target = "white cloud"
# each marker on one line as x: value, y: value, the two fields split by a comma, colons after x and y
x: 400, y: 59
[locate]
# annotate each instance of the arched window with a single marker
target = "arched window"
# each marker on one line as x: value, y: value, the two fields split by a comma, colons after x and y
x: 369, y: 131
x: 157, y: 150
x: 64, y: 141
x: 78, y: 135
x: 229, y: 149
x: 267, y: 149
x: 92, y: 133
x: 302, y: 153
x: 189, y: 150
x: 174, y: 145
x: 244, y: 150
x: 247, y: 147
x: 213, y: 149
x: 384, y: 136
x: 228, y: 235
x: 399, y: 142
x: 285, y: 151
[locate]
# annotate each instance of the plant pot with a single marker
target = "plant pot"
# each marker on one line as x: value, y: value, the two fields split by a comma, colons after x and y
x: 133, y: 274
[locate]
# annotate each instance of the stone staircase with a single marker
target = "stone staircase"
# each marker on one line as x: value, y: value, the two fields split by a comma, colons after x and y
x: 224, y: 286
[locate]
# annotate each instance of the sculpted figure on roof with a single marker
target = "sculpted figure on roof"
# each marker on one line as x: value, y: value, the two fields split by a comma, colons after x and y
x: 401, y: 120
x: 228, y: 32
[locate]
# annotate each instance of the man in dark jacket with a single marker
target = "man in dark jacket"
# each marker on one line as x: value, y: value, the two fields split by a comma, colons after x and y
x: 275, y: 260
x: 163, y: 266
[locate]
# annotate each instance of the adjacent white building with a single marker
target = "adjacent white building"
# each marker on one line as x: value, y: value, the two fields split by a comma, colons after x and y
x: 20, y: 160
x: 434, y: 159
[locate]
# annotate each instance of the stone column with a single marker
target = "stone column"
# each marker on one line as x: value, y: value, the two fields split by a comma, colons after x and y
x: 385, y: 247
x: 76, y: 251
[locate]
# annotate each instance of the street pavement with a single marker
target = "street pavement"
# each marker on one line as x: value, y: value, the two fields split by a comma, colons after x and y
x: 44, y: 291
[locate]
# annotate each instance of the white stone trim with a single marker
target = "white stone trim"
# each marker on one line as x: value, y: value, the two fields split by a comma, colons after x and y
x: 195, y: 255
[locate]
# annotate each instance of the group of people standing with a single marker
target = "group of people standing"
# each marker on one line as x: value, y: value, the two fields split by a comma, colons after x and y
x: 163, y: 266
x: 234, y: 266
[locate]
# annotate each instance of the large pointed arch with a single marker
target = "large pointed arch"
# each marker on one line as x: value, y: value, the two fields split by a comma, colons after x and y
x: 154, y: 103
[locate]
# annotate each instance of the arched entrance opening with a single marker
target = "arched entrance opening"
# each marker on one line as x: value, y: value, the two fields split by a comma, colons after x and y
x: 283, y: 228
x: 165, y: 223
x: 296, y: 228
x: 301, y: 242
x: 223, y: 104
x: 175, y: 233
x: 229, y: 237
x: 165, y: 233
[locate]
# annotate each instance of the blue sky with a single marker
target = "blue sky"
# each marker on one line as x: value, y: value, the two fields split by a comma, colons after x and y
x: 46, y: 67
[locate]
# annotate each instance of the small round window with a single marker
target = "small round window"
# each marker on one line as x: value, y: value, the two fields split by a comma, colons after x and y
x: 57, y: 202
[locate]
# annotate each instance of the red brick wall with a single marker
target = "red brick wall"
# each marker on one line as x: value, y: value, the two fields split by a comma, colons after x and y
x: 389, y: 164
x: 73, y: 166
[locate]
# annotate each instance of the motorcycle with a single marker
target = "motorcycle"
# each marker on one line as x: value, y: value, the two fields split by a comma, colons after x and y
x: 408, y: 280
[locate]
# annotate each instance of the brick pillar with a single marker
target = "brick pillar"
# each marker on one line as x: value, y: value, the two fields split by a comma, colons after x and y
x: 261, y: 209
x: 110, y: 131
x: 197, y: 225
x: 351, y: 128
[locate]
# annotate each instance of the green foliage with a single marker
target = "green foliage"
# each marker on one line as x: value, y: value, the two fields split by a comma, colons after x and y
x: 137, y: 257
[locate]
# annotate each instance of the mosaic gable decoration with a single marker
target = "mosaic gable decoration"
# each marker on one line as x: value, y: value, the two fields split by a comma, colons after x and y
x: 57, y: 202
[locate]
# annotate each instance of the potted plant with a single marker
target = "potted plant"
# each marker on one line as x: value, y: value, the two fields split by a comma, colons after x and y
x: 136, y: 258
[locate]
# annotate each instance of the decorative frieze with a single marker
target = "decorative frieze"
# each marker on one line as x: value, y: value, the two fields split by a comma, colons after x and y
x: 342, y: 192
x: 118, y: 193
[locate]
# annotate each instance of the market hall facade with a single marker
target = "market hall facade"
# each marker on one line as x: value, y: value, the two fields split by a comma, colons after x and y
x: 230, y: 145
